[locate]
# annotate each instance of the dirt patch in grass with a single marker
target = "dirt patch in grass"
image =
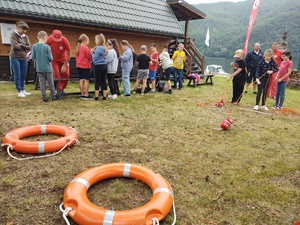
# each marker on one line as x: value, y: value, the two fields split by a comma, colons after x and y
x: 246, y: 175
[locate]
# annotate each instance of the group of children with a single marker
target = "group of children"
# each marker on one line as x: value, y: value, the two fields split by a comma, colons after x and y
x: 265, y: 70
x: 102, y: 61
x: 105, y: 57
x: 147, y: 67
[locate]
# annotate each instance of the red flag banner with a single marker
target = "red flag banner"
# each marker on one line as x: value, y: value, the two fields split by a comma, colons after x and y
x: 255, y: 7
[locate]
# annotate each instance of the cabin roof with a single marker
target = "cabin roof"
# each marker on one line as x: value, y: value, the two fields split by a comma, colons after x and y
x: 184, y: 10
x: 145, y: 16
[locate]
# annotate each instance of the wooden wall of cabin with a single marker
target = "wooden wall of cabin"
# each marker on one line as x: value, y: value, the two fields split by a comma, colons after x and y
x: 72, y: 32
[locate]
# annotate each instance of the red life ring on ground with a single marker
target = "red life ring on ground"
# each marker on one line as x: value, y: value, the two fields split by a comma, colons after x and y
x: 86, y: 213
x: 35, y: 147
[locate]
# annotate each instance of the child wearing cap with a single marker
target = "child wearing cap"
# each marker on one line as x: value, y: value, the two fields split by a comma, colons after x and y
x: 239, y: 76
x: 143, y: 61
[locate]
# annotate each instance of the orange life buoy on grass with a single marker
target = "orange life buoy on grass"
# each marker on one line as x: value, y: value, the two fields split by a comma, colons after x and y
x: 83, y: 212
x: 34, y: 147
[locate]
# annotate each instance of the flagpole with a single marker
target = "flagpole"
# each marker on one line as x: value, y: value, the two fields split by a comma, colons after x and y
x: 206, y: 44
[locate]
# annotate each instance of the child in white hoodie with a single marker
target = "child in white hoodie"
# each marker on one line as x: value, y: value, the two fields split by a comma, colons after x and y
x: 167, y: 66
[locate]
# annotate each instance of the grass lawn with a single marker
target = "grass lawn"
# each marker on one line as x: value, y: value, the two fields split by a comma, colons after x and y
x: 248, y: 175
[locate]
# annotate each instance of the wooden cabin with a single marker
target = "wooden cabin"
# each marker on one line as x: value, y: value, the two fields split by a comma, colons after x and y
x: 139, y: 22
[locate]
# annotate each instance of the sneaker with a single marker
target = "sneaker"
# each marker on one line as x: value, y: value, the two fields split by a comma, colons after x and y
x: 168, y: 91
x: 142, y: 94
x: 152, y: 91
x: 133, y: 92
x: 103, y: 98
x: 254, y: 92
x: 87, y: 97
x: 279, y: 107
x: 110, y: 96
x: 126, y: 95
x: 21, y: 94
x: 115, y: 96
x: 54, y: 98
x: 45, y: 99
x: 274, y: 107
x: 264, y: 108
x: 62, y: 92
x: 26, y: 93
x: 256, y: 107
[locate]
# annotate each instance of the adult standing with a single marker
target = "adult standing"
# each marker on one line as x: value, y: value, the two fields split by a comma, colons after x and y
x: 112, y: 66
x: 126, y: 64
x: 18, y: 56
x: 252, y: 59
x: 277, y: 56
x: 100, y: 64
x: 60, y: 48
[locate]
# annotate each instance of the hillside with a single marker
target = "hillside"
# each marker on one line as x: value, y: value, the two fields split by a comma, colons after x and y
x: 228, y: 24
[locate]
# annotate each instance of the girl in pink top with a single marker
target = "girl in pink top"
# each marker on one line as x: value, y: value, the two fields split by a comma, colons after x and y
x: 282, y: 78
x: 83, y: 65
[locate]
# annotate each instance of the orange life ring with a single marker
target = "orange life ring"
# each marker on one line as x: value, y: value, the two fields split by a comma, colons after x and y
x: 86, y: 213
x: 34, y: 147
x: 297, y: 223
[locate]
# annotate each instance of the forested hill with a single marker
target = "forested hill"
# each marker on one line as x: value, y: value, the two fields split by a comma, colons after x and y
x: 228, y: 24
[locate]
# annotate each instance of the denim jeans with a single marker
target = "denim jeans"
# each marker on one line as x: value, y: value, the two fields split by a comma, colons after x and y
x: 178, y: 73
x: 19, y: 68
x: 280, y: 92
x: 126, y: 81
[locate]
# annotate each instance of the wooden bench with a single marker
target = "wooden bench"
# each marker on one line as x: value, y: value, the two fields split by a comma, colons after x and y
x: 207, y: 79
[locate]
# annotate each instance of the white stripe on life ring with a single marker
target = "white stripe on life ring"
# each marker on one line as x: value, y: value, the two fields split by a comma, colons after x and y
x: 82, y: 181
x: 109, y: 217
x: 126, y: 171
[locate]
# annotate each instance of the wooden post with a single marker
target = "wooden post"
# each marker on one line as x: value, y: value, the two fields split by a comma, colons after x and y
x: 186, y: 31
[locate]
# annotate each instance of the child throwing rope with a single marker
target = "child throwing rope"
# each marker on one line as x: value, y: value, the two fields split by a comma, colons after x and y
x: 265, y: 68
x: 238, y: 76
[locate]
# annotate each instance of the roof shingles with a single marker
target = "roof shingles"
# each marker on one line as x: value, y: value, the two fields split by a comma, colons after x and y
x: 154, y: 16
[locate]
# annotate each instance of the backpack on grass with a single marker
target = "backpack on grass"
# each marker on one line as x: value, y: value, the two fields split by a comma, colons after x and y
x: 161, y: 86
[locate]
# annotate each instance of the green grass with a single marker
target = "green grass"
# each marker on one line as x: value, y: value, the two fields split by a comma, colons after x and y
x: 249, y: 174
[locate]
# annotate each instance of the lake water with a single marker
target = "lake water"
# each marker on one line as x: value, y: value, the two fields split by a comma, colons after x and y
x: 225, y: 63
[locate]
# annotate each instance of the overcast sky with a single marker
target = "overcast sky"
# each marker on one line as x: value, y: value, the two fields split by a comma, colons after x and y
x: 210, y: 1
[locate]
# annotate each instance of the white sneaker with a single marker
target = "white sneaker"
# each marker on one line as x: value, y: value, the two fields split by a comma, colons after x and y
x: 25, y: 92
x: 110, y: 96
x: 21, y: 94
x: 115, y: 96
x: 264, y: 108
x: 256, y: 107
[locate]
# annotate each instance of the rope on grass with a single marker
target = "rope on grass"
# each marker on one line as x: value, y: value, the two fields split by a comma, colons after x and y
x: 156, y: 221
x: 65, y: 212
x: 10, y: 148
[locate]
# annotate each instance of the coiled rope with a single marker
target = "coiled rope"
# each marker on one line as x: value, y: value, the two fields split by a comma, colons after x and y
x: 10, y: 147
x: 67, y: 210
